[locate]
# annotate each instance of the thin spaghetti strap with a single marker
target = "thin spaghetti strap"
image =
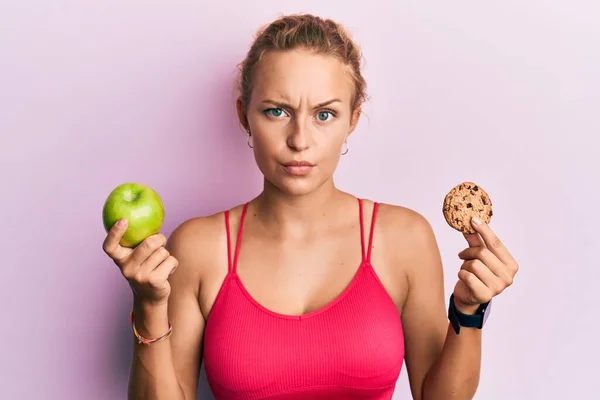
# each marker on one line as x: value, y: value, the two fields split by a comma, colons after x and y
x: 372, y: 230
x: 362, y: 229
x: 229, y: 266
x: 239, y: 238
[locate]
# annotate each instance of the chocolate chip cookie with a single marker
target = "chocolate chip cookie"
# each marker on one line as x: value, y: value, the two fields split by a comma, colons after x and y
x: 464, y: 202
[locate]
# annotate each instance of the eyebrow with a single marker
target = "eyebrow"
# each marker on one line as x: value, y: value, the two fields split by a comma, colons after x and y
x: 285, y: 105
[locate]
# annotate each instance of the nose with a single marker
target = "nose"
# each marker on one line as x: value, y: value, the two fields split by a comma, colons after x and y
x: 299, y: 137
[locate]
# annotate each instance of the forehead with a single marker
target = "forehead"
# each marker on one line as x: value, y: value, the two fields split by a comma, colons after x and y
x: 302, y: 75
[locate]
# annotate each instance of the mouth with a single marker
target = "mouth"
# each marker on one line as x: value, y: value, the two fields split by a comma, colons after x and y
x: 298, y: 164
x: 298, y: 168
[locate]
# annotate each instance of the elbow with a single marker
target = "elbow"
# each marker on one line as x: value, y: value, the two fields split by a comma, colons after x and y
x: 431, y: 390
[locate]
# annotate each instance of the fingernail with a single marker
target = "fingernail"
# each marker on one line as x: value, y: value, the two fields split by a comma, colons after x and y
x: 476, y: 221
x: 122, y: 223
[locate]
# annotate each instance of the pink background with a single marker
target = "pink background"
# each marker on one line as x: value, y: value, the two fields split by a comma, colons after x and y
x: 96, y: 93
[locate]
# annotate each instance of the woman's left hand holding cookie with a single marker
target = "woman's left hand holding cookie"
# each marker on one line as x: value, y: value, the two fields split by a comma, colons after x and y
x: 487, y: 270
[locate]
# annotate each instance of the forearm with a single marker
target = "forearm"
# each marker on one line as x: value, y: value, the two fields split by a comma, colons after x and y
x: 152, y: 375
x: 455, y: 374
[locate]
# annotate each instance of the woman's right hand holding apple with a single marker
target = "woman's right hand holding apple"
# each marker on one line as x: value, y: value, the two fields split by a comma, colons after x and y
x: 146, y: 267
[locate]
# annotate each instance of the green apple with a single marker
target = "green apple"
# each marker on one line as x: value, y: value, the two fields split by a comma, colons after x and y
x: 140, y: 205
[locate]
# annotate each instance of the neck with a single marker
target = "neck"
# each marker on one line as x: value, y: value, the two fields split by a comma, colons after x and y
x: 298, y: 216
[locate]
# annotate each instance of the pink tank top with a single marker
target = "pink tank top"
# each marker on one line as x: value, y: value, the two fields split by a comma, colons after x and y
x: 352, y: 348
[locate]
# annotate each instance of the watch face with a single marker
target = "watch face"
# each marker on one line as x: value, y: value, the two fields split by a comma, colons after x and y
x: 486, y: 313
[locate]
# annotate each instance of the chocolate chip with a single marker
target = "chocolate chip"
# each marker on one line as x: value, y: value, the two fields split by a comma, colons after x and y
x: 455, y: 207
x: 469, y: 205
x: 491, y: 213
x: 484, y: 201
x: 475, y: 188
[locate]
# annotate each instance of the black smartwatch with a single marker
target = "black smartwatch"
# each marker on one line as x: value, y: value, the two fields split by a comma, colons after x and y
x: 477, y: 320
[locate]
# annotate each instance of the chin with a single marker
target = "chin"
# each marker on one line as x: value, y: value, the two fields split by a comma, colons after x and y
x: 297, y: 187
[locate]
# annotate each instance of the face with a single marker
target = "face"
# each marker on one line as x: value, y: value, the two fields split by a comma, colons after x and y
x: 299, y: 116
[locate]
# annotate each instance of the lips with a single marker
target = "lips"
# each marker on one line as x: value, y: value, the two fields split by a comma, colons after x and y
x: 298, y: 168
x: 298, y: 164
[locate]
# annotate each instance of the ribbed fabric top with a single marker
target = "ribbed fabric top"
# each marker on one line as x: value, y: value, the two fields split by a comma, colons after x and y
x: 352, y: 348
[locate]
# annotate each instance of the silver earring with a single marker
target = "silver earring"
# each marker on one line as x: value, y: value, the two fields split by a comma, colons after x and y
x: 345, y: 147
x: 250, y: 141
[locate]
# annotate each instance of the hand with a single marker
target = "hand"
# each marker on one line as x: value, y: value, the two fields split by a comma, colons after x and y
x: 146, y: 267
x: 487, y: 270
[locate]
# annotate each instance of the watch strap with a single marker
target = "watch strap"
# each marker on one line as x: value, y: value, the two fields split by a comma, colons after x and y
x: 459, y: 319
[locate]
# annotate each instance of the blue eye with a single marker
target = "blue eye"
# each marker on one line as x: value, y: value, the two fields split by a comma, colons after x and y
x: 324, y: 116
x: 275, y: 112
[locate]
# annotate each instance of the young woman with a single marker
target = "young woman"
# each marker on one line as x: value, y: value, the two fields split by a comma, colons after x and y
x: 305, y: 292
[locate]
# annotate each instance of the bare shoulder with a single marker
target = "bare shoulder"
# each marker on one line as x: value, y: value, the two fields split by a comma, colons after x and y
x: 404, y: 223
x: 400, y: 216
x: 195, y: 231
x: 195, y: 243
x: 409, y: 234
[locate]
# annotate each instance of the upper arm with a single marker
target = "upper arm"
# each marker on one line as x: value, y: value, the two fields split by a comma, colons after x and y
x: 424, y: 313
x: 184, y: 309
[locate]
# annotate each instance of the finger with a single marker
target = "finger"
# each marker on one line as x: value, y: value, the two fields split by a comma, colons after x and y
x: 492, y: 241
x: 158, y: 256
x: 485, y: 275
x: 161, y: 273
x: 111, y: 244
x: 480, y: 293
x: 488, y: 258
x: 474, y: 240
x: 147, y: 247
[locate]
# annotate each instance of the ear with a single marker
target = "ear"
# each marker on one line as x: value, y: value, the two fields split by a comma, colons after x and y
x: 241, y: 112
x: 354, y: 119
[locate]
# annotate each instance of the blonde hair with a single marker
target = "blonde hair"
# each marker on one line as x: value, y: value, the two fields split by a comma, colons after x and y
x: 306, y: 31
